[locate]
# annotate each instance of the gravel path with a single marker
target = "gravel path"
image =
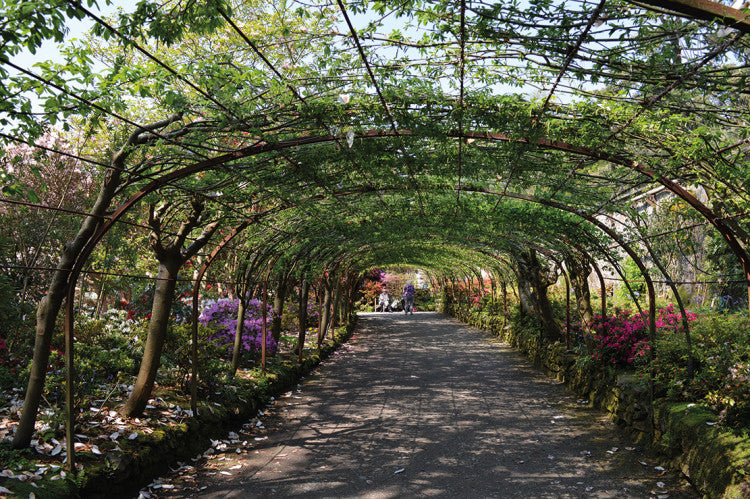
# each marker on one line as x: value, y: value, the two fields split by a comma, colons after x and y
x: 422, y: 406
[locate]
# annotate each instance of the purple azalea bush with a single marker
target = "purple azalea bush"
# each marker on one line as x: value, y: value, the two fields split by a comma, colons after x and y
x: 221, y: 316
x: 313, y: 314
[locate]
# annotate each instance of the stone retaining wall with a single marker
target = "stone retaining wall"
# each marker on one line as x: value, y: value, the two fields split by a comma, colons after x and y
x: 149, y: 456
x: 716, y: 460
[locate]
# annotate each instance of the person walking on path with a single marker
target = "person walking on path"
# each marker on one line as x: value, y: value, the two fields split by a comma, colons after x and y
x: 409, y: 298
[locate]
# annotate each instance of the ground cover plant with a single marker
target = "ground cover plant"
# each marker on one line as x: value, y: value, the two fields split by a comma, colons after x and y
x: 109, y: 348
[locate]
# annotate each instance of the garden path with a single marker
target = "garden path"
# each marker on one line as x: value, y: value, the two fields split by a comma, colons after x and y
x: 421, y: 405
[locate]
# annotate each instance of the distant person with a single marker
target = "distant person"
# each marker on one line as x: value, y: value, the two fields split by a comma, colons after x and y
x: 409, y: 298
x: 384, y: 301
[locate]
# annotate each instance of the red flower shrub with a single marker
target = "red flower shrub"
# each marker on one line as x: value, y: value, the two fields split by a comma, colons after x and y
x: 622, y: 337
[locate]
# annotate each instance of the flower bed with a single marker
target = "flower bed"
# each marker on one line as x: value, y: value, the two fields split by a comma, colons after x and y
x: 708, y: 442
x: 145, y: 447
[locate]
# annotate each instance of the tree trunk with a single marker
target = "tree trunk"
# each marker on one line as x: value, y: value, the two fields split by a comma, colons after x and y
x: 49, y: 306
x: 171, y: 257
x: 335, y: 308
x: 525, y: 293
x: 241, y: 287
x: 353, y: 288
x: 536, y: 281
x: 579, y: 268
x: 304, y: 290
x: 278, y: 307
x: 157, y: 335
x: 325, y: 312
x: 237, y: 347
x: 504, y: 291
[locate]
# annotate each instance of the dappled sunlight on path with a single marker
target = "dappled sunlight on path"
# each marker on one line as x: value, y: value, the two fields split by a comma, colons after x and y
x: 420, y: 405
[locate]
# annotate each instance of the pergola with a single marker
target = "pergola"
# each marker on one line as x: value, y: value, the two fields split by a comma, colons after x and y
x: 443, y: 135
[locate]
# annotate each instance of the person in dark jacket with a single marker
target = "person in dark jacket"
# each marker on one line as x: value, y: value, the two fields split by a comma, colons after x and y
x: 409, y: 298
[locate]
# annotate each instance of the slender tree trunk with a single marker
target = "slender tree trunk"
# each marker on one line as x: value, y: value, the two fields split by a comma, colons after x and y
x: 278, y: 307
x: 304, y: 290
x: 504, y: 290
x: 157, y: 335
x: 264, y: 325
x: 237, y: 347
x: 102, y: 282
x: 49, y: 306
x: 335, y: 308
x: 241, y: 287
x: 325, y: 312
x: 353, y: 288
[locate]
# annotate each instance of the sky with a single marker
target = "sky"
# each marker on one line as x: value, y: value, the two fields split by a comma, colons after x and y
x: 50, y: 49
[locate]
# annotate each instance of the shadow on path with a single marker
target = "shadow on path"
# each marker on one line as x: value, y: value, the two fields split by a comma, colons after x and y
x: 421, y: 405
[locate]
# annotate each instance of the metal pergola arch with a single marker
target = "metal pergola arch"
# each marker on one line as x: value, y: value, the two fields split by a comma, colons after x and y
x: 464, y: 185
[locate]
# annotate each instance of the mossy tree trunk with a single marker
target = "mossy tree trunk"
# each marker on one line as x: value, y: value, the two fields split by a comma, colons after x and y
x: 335, y: 308
x: 325, y: 312
x: 534, y: 279
x: 579, y: 268
x: 171, y: 257
x: 304, y: 293
x: 282, y: 285
x: 504, y: 291
x: 354, y: 284
x: 50, y: 305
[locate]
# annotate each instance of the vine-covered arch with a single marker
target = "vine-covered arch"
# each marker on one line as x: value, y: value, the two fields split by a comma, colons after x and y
x: 467, y: 134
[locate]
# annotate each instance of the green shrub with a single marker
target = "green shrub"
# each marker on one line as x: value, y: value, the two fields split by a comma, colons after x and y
x: 176, y: 358
x: 732, y: 399
x: 635, y: 279
x: 721, y: 354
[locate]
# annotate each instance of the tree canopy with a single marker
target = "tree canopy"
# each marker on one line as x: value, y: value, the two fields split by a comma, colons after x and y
x: 383, y: 127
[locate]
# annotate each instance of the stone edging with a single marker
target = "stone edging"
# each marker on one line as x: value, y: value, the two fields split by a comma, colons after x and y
x: 153, y: 453
x: 715, y: 460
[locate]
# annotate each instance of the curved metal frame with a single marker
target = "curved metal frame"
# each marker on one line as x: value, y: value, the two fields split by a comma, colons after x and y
x: 673, y: 187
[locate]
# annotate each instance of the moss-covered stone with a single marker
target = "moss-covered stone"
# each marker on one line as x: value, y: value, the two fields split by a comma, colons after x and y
x: 716, y: 460
x: 150, y: 454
